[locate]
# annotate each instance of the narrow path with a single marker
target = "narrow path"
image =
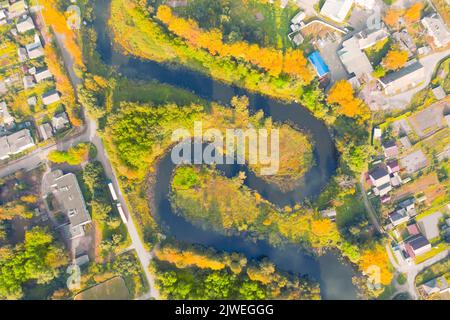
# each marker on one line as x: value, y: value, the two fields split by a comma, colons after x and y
x: 370, y: 210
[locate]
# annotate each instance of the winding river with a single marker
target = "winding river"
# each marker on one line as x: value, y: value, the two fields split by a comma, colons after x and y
x: 335, y: 277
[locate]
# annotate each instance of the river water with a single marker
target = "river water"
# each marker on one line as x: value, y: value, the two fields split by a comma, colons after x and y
x: 335, y: 277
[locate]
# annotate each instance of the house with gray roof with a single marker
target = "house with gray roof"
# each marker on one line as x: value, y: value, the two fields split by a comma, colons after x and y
x: 437, y: 29
x: 5, y: 117
x: 50, y: 97
x: 70, y: 202
x: 398, y: 217
x: 429, y: 225
x: 404, y: 79
x: 60, y: 121
x: 42, y: 74
x: 25, y: 24
x: 20, y: 141
x: 45, y: 131
x: 4, y: 148
x: 437, y: 285
x: 35, y: 50
x: 15, y: 143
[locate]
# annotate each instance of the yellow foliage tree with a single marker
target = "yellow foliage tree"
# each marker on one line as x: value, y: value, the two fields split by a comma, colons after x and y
x: 342, y: 94
x: 414, y: 12
x: 375, y: 263
x: 395, y: 59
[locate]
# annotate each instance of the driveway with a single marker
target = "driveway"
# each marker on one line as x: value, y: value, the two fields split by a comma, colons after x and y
x: 402, y: 100
x: 411, y: 271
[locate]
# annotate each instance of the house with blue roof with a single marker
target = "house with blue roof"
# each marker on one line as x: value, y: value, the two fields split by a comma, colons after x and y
x: 319, y: 64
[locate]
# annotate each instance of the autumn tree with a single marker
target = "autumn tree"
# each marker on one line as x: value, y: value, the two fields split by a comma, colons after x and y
x: 392, y: 17
x: 395, y: 59
x: 342, y: 95
x: 413, y: 13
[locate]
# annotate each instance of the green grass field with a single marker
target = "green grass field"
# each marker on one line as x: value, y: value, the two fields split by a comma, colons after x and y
x: 112, y: 289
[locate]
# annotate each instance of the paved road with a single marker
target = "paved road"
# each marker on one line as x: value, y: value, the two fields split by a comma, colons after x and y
x: 88, y: 133
x: 411, y: 271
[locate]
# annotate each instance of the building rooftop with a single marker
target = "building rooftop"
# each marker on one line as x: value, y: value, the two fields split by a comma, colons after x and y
x: 70, y: 200
x: 429, y: 225
x: 319, y: 64
x: 437, y: 29
x: 50, y: 97
x: 336, y: 10
x: 418, y: 242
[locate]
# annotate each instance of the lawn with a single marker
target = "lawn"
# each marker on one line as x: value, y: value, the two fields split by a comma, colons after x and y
x: 347, y: 213
x: 254, y: 21
x: 430, y: 254
x: 377, y: 52
x: 112, y: 289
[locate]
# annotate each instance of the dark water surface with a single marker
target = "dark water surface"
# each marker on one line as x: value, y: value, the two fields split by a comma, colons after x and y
x: 335, y: 277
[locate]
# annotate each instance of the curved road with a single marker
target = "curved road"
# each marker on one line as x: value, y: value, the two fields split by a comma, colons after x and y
x: 88, y: 133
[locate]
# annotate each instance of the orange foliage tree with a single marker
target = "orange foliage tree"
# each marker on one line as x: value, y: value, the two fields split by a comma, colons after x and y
x: 414, y: 12
x: 395, y: 59
x: 342, y: 94
x: 392, y: 16
x: 375, y: 263
x: 271, y: 60
x: 58, y: 22
x: 63, y: 84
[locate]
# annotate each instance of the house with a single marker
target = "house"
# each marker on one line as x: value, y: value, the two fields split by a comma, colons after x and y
x: 22, y: 54
x: 429, y: 225
x: 439, y: 93
x: 447, y: 119
x: 25, y: 24
x: 298, y: 18
x: 437, y: 285
x: 354, y: 59
x: 50, y: 97
x: 413, y: 230
x: 393, y: 166
x: 16, y: 9
x: 45, y: 131
x: 390, y: 149
x: 417, y: 245
x: 377, y: 134
x: 32, y: 101
x: 366, y: 4
x: 408, y: 205
x: 398, y: 217
x: 4, y: 148
x: 319, y: 64
x: 5, y: 116
x: 436, y: 29
x: 3, y: 17
x: 15, y: 143
x: 70, y: 202
x: 352, y: 55
x: 42, y: 74
x: 28, y: 82
x: 329, y: 213
x: 414, y: 162
x: 406, y: 78
x: 336, y: 10
x: 379, y: 176
x: 35, y: 49
x: 20, y: 141
x: 60, y: 121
